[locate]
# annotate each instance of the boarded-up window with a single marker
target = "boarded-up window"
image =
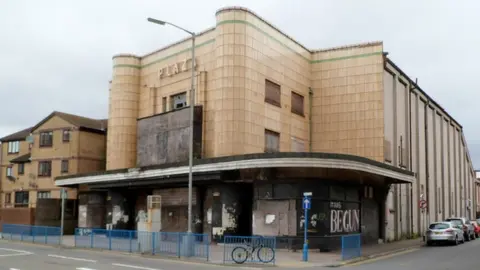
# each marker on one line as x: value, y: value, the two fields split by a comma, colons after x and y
x: 272, y: 93
x: 272, y: 141
x: 298, y: 145
x: 387, y: 150
x: 164, y: 104
x: 297, y: 104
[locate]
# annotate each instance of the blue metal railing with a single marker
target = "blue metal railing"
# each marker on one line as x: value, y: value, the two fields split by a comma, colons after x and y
x: 351, y: 246
x: 30, y: 233
x: 249, y: 249
x: 155, y: 243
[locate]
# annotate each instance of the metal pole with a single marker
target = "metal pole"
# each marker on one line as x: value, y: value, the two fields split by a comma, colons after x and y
x: 305, y: 233
x: 190, y: 150
x: 62, y: 215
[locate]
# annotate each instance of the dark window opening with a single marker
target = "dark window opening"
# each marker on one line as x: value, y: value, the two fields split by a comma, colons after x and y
x: 45, y: 168
x: 64, y: 168
x: 46, y: 139
x: 66, y: 136
x: 297, y: 104
x: 21, y: 169
x: 272, y: 141
x: 21, y: 199
x: 272, y: 93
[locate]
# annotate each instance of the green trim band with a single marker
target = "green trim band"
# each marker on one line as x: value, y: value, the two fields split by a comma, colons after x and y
x: 166, y: 57
x: 261, y: 31
x: 345, y: 57
x: 265, y: 33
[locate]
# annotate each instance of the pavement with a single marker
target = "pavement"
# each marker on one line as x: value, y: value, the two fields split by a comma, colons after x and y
x: 28, y: 256
x: 24, y: 256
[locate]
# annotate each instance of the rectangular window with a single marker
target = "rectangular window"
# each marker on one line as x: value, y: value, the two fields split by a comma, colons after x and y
x: 297, y: 145
x: 164, y: 104
x: 44, y: 168
x: 272, y: 141
x: 46, y: 139
x: 44, y: 195
x: 272, y: 93
x: 297, y: 104
x: 9, y: 171
x: 21, y: 199
x: 21, y: 168
x: 8, y: 198
x: 66, y: 135
x: 13, y: 147
x: 178, y: 101
x: 64, y: 168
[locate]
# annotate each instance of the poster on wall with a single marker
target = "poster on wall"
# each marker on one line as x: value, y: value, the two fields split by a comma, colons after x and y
x: 344, y: 217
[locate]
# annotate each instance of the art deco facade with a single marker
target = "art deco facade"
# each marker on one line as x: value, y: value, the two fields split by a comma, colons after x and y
x: 354, y: 114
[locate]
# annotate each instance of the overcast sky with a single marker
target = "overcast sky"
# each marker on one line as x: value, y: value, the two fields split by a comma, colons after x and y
x: 56, y: 55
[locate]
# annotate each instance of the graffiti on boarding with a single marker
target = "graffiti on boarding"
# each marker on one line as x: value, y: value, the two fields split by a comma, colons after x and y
x: 343, y: 220
x: 84, y: 231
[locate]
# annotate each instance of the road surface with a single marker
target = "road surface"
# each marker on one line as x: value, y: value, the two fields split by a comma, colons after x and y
x: 462, y: 257
x: 23, y: 256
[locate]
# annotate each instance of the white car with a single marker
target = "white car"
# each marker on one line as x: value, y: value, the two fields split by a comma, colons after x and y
x: 446, y: 232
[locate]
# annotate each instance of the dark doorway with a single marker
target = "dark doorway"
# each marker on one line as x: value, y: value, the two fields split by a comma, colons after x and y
x: 245, y: 200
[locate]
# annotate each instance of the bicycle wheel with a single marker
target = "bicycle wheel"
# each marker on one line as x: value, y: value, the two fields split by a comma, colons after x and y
x: 239, y: 255
x: 266, y: 254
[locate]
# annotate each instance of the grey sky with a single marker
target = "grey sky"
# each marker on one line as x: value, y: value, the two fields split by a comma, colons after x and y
x: 56, y: 55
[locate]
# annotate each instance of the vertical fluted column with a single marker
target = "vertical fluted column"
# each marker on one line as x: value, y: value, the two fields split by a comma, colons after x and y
x: 123, y: 112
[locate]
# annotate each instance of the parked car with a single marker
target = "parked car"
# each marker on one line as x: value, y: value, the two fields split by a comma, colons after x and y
x: 450, y: 232
x: 468, y: 229
x: 476, y: 226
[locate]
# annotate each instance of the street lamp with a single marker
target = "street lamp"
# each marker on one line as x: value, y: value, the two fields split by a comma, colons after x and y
x: 192, y: 107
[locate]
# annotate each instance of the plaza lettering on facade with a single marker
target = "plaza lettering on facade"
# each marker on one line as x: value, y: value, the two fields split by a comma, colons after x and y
x: 176, y: 68
x: 344, y: 221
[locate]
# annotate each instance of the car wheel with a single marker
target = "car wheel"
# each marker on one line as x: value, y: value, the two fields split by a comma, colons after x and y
x: 429, y: 243
x: 456, y: 241
x: 467, y: 237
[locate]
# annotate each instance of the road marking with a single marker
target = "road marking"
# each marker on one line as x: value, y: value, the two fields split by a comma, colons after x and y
x: 133, y: 266
x: 70, y: 258
x: 18, y: 252
x: 83, y: 268
x: 14, y: 269
x: 383, y: 257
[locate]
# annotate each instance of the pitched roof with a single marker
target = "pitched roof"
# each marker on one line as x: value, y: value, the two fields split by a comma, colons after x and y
x: 76, y: 120
x: 21, y: 159
x: 17, y: 136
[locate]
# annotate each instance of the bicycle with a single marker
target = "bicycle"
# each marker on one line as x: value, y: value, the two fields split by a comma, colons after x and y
x: 242, y: 254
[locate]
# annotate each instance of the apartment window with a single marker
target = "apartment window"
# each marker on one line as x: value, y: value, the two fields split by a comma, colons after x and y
x: 297, y: 104
x: 164, y: 104
x: 9, y: 171
x: 21, y: 168
x: 44, y: 195
x: 8, y: 198
x: 64, y: 168
x: 45, y: 168
x: 46, y: 139
x: 21, y: 199
x: 272, y: 93
x: 66, y: 135
x: 13, y: 147
x: 272, y: 141
x: 179, y: 101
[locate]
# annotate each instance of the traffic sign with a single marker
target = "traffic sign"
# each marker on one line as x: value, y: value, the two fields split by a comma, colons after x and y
x: 423, y: 204
x: 306, y: 203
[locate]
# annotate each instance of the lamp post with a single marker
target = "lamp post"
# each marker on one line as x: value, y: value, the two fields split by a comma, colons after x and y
x: 192, y: 107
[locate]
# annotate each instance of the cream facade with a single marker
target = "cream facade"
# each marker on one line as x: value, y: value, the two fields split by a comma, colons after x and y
x: 262, y: 91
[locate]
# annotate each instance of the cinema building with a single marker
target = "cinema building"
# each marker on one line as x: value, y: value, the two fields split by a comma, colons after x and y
x: 274, y: 119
